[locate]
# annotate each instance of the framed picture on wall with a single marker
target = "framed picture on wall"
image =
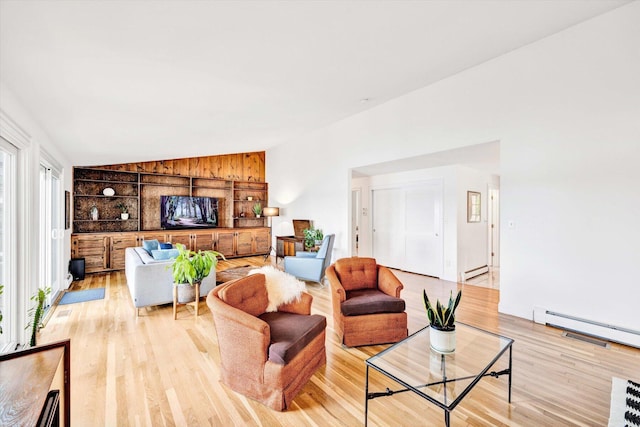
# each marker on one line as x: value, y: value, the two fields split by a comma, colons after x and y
x: 473, y: 206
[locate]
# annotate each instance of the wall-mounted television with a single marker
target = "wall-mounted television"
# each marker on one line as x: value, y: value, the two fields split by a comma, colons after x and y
x: 188, y: 212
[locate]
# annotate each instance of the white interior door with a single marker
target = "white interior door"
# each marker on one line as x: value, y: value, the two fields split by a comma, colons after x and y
x: 355, y: 221
x: 407, y: 228
x: 494, y: 227
x: 423, y: 230
x: 388, y: 226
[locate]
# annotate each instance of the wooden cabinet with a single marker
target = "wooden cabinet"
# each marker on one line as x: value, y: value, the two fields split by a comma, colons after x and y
x: 106, y: 251
x: 244, y: 243
x: 182, y: 238
x: 288, y: 246
x: 225, y: 242
x: 119, y: 243
x: 196, y: 241
x: 262, y: 240
x: 102, y: 241
x: 203, y: 241
x: 159, y: 236
x: 94, y: 249
x: 252, y: 242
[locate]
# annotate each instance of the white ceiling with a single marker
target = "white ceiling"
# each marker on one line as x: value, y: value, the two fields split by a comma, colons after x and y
x: 125, y: 81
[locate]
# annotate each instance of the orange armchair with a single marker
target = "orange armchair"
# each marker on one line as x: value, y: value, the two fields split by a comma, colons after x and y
x: 266, y: 356
x: 367, y: 308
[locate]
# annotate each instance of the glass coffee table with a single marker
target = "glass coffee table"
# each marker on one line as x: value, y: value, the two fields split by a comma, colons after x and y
x: 442, y: 379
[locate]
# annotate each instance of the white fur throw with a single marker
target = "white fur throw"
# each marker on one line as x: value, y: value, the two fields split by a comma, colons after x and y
x: 282, y: 288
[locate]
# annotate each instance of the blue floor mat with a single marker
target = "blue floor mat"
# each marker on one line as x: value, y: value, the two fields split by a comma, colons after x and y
x: 82, y: 296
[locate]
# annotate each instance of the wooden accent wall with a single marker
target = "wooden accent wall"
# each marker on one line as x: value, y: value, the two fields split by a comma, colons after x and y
x: 236, y: 167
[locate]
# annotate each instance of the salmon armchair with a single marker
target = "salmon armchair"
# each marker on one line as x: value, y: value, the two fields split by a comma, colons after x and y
x: 266, y: 356
x: 365, y: 297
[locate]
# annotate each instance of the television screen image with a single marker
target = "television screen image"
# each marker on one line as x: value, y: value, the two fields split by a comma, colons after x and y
x: 188, y: 212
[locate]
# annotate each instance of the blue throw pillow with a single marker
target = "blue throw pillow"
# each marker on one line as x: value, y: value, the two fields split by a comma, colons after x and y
x: 166, y: 246
x: 164, y: 254
x: 150, y: 245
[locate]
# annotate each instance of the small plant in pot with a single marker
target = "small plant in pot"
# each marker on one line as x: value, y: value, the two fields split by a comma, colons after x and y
x: 191, y: 267
x: 124, y: 210
x: 442, y: 320
x: 319, y: 236
x: 257, y: 209
x: 312, y: 237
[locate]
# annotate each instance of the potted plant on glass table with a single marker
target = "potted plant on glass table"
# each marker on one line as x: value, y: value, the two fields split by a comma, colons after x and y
x: 442, y: 321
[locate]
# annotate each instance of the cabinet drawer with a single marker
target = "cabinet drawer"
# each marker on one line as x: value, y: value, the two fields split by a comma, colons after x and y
x: 94, y: 246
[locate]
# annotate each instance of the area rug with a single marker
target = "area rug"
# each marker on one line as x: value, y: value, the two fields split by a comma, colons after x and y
x: 625, y: 403
x: 232, y: 274
x: 82, y: 296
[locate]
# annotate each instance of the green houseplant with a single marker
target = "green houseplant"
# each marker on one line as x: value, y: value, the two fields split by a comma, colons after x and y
x: 319, y: 236
x: 191, y: 267
x: 36, y: 313
x: 257, y: 209
x: 312, y: 237
x: 442, y: 320
x: 124, y: 210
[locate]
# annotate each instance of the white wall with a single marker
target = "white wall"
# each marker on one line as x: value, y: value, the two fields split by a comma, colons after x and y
x: 566, y: 112
x: 28, y: 201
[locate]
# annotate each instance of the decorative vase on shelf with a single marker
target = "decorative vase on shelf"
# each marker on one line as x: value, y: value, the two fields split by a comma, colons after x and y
x: 94, y: 213
x: 124, y: 215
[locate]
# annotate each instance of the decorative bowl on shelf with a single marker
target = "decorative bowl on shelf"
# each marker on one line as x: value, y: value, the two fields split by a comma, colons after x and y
x: 108, y: 191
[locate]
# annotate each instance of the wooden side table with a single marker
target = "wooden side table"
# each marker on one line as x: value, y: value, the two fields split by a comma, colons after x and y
x: 195, y: 303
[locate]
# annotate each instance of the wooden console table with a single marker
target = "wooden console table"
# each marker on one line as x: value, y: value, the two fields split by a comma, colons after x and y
x: 27, y: 376
x: 288, y: 246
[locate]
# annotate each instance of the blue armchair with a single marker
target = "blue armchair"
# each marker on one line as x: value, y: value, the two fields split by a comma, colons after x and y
x: 311, y: 265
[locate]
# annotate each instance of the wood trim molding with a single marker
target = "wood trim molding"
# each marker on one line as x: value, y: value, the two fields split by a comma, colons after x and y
x: 12, y: 132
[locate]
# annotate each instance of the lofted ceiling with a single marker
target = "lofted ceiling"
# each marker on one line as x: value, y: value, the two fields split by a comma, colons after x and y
x: 127, y: 81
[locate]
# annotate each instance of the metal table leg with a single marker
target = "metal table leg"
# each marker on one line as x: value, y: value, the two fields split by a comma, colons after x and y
x: 366, y: 397
x: 510, y: 370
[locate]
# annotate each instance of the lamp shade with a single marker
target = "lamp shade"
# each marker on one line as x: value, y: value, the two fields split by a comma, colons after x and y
x: 267, y: 211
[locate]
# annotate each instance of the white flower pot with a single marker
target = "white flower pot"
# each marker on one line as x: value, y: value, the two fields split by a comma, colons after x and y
x: 442, y: 341
x: 124, y: 215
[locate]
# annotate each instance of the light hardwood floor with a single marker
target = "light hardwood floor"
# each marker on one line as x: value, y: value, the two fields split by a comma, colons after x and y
x: 156, y: 371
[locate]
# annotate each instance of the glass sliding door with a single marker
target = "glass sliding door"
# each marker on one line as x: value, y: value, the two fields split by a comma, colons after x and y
x: 8, y: 246
x: 51, y: 231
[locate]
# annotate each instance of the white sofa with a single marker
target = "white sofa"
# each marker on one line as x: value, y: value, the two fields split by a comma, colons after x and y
x: 150, y: 281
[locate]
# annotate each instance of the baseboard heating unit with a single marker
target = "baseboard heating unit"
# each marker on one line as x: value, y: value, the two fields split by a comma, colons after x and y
x: 587, y: 327
x: 473, y: 273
